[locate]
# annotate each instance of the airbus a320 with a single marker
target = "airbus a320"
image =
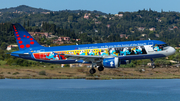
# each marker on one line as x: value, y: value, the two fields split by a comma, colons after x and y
x: 102, y: 55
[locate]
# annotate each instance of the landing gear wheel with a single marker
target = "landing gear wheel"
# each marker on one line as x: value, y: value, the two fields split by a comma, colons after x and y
x: 153, y: 66
x: 92, y: 71
x: 100, y: 68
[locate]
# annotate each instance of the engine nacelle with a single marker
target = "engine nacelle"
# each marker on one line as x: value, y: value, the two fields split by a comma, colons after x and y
x: 125, y: 61
x: 111, y: 62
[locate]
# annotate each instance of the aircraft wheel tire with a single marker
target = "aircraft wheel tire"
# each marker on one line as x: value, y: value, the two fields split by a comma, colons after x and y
x: 153, y: 66
x: 101, y: 68
x: 92, y: 71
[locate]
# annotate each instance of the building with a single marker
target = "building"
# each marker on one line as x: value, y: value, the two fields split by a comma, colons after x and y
x: 77, y: 39
x: 122, y: 35
x: 80, y: 65
x: 95, y: 30
x: 139, y: 16
x: 152, y: 29
x: 10, y: 47
x: 157, y: 35
x: 40, y: 34
x: 108, y: 25
x: 111, y: 18
x: 64, y: 39
x: 119, y: 15
x: 45, y: 12
x: 141, y: 29
x: 104, y: 16
x: 159, y: 20
x: 52, y: 36
x: 175, y: 27
x: 86, y: 15
x: 143, y: 35
x: 75, y: 65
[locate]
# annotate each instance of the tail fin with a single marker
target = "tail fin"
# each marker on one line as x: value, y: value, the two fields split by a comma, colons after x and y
x: 23, y: 38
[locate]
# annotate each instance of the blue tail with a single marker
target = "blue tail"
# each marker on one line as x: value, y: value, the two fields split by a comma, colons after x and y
x: 23, y: 38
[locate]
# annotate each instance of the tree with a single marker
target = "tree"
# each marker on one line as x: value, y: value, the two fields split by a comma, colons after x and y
x: 24, y: 25
x: 1, y: 54
x: 3, y: 46
x: 28, y: 23
x: 70, y: 18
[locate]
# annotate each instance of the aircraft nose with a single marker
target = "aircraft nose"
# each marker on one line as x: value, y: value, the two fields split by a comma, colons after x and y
x: 171, y: 50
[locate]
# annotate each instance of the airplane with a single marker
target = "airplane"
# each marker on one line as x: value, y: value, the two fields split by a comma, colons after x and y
x: 101, y: 55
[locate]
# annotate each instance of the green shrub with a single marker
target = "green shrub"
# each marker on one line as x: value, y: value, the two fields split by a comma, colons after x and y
x: 15, y: 73
x: 42, y: 73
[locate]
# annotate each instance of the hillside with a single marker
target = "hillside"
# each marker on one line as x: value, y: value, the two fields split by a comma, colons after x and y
x: 23, y: 8
x: 96, y: 27
x: 28, y: 9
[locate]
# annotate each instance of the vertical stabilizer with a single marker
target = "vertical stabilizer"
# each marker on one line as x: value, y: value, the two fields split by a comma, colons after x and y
x: 23, y: 38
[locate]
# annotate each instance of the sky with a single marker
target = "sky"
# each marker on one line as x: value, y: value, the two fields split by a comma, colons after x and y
x: 106, y: 6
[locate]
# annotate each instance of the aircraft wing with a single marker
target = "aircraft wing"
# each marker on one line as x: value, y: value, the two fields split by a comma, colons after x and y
x: 85, y: 58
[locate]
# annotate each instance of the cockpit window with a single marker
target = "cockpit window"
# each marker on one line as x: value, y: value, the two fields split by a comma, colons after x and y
x: 164, y: 45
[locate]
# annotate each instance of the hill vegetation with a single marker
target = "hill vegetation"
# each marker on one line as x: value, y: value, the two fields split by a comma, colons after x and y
x: 100, y: 27
x: 89, y: 26
x: 23, y: 8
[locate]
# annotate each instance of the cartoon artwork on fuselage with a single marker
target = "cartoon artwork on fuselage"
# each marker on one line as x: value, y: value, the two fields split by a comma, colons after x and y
x: 118, y: 51
x: 53, y: 56
x: 104, y: 52
x: 49, y: 56
x: 123, y: 51
x: 157, y: 47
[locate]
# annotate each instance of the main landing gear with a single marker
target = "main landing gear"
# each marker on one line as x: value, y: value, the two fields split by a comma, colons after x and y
x: 92, y: 70
x: 100, y: 68
x: 152, y: 64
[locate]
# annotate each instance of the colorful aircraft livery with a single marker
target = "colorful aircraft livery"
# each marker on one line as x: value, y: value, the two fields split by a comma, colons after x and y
x: 109, y: 55
x: 119, y: 51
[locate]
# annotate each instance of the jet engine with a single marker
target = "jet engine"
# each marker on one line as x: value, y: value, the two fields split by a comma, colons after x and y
x: 111, y: 62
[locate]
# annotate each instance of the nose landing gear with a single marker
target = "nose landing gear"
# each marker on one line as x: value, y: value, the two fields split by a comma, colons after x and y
x: 152, y: 64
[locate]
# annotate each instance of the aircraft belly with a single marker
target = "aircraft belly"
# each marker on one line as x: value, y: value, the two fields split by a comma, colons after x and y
x: 145, y: 56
